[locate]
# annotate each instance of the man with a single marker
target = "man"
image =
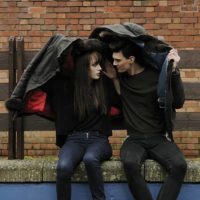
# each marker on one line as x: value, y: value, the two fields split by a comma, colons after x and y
x: 144, y: 77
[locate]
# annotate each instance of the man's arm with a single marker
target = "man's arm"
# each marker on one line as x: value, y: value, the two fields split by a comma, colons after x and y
x: 177, y: 85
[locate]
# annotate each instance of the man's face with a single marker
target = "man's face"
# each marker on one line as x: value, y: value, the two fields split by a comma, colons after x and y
x: 122, y: 63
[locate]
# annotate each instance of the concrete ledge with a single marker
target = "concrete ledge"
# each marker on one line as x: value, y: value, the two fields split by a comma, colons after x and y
x: 44, y: 170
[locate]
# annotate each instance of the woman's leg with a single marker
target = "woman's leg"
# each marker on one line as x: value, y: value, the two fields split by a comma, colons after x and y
x: 70, y: 156
x: 98, y: 150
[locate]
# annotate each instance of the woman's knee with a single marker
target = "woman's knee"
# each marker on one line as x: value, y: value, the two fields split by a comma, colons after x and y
x: 64, y: 170
x: 91, y: 159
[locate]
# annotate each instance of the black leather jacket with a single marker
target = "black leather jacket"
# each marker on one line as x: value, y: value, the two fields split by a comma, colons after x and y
x: 170, y: 88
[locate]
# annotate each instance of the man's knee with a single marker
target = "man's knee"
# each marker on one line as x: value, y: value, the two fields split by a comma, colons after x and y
x: 131, y: 165
x: 179, y: 168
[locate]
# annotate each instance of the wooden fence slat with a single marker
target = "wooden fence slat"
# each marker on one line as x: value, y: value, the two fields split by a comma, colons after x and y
x: 19, y: 121
x: 12, y: 82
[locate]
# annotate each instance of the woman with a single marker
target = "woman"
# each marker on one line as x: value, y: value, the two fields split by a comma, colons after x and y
x: 81, y: 104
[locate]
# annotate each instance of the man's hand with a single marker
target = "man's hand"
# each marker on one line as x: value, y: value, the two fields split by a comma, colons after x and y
x: 173, y: 55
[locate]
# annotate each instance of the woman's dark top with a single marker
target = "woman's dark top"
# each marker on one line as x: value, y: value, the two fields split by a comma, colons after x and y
x: 60, y: 95
x: 140, y: 105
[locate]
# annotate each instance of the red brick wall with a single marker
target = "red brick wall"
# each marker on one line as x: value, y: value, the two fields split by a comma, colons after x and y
x: 37, y: 20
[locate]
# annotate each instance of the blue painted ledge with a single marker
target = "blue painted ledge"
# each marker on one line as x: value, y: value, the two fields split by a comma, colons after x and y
x: 34, y: 179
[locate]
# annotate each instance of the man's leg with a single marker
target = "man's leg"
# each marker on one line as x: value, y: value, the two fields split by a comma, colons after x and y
x: 132, y: 156
x: 97, y: 151
x: 169, y: 155
x: 69, y: 157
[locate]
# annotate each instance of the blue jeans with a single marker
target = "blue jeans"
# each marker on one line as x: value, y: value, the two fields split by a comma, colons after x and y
x: 90, y: 147
x: 135, y: 150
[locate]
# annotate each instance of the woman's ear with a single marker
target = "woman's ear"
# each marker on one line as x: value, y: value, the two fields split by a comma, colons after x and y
x: 132, y: 59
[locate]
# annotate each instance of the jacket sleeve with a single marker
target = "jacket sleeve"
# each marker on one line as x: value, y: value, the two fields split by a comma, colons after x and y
x: 177, y: 90
x: 15, y: 102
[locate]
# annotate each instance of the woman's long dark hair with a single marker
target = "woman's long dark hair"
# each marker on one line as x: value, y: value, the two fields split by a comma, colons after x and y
x: 88, y: 94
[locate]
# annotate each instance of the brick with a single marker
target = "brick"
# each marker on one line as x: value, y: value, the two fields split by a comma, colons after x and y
x: 176, y: 26
x: 189, y: 20
x: 187, y: 2
x: 189, y: 140
x: 48, y: 15
x: 73, y: 21
x: 137, y: 3
x: 87, y: 9
x: 112, y: 3
x: 38, y: 10
x: 162, y: 3
x: 125, y: 3
x: 60, y: 9
x: 102, y: 3
x: 73, y: 3
x: 193, y: 146
x: 189, y: 8
x: 86, y: 21
x: 48, y: 27
x: 163, y: 20
x: 149, y: 9
x: 112, y: 21
x: 74, y: 10
x: 87, y: 27
x: 86, y: 3
x: 24, y: 4
x: 74, y: 27
x: 36, y: 21
x: 49, y: 4
x: 99, y: 15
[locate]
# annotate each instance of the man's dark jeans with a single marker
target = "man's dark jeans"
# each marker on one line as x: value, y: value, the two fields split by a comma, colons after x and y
x: 90, y: 147
x: 134, y: 152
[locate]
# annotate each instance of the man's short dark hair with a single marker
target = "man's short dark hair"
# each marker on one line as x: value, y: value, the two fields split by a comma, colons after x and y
x: 130, y: 48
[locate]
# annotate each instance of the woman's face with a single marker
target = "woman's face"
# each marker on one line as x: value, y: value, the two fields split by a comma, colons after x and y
x: 95, y: 68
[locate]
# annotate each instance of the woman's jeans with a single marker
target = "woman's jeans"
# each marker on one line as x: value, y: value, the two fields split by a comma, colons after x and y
x: 136, y: 150
x: 90, y: 147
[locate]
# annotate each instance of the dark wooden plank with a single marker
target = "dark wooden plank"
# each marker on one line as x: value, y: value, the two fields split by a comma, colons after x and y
x: 3, y: 91
x: 189, y: 59
x: 184, y: 121
x: 4, y: 122
x: 37, y: 123
x: 28, y: 55
x: 192, y: 91
x: 4, y: 59
x: 188, y: 121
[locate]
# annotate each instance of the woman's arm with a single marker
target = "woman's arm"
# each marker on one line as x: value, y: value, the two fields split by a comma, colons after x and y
x: 111, y: 73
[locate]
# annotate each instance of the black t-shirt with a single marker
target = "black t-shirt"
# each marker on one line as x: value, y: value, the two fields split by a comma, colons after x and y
x: 140, y: 106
